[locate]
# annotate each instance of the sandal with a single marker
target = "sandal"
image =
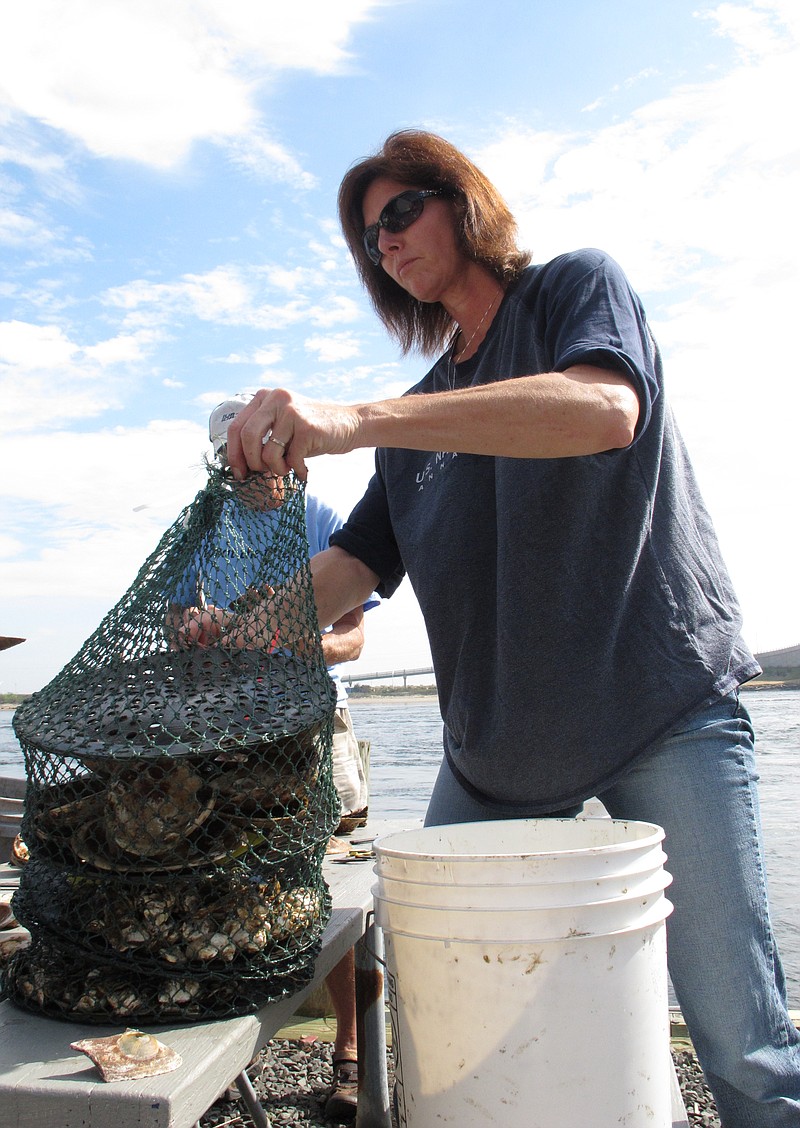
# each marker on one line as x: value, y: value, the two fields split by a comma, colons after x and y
x: 351, y: 822
x: 342, y: 1100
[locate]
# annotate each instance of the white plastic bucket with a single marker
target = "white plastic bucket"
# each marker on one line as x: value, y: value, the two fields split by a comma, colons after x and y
x: 539, y: 1006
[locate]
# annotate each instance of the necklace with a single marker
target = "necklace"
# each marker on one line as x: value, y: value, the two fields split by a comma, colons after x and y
x: 453, y: 360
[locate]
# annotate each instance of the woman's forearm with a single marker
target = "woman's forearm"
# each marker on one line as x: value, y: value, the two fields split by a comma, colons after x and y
x: 553, y: 415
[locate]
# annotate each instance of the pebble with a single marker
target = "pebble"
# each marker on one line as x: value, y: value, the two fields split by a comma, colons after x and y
x: 291, y: 1079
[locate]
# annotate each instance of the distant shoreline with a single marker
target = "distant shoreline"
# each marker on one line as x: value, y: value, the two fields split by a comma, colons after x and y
x: 766, y: 683
x: 426, y: 693
x: 365, y: 698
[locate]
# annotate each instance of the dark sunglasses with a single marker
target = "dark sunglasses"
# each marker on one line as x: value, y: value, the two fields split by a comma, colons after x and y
x: 399, y: 213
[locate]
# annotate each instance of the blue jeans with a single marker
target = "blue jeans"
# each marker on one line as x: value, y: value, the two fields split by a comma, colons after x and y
x: 699, y: 784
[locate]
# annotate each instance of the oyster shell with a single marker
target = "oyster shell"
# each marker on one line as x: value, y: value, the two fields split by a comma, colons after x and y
x: 130, y: 1054
x: 255, y: 792
x: 295, y: 912
x: 177, y: 996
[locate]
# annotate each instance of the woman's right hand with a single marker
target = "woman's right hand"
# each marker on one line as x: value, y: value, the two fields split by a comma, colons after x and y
x: 277, y: 431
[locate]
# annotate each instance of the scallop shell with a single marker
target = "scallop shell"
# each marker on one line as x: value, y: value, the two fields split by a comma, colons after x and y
x: 130, y: 1054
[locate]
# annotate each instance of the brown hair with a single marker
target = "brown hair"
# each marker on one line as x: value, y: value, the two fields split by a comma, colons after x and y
x: 486, y: 228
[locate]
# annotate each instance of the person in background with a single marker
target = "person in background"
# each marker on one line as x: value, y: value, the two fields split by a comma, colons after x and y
x: 342, y: 642
x: 585, y: 634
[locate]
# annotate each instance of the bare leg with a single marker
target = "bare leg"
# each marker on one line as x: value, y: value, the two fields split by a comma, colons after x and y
x: 341, y: 984
x: 343, y: 1098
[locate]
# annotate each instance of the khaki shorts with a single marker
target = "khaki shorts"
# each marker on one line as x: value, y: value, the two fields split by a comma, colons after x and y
x: 348, y: 770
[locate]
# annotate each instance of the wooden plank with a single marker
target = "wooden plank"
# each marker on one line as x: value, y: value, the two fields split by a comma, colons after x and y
x: 13, y: 786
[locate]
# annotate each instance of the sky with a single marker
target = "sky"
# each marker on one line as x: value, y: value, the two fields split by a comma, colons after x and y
x: 168, y: 232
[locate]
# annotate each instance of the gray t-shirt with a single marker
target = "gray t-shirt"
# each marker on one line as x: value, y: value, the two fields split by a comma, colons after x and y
x: 576, y: 608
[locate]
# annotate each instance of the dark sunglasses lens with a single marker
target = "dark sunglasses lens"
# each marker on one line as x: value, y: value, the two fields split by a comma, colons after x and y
x: 371, y: 244
x: 401, y: 212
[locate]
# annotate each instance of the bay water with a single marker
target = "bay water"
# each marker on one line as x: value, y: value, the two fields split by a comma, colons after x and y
x: 405, y: 734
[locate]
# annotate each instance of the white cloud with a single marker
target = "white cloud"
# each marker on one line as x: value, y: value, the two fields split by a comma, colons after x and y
x: 93, y: 506
x: 306, y: 35
x: 144, y: 81
x: 139, y: 82
x: 268, y: 356
x: 331, y: 349
x: 123, y: 349
x: 10, y: 546
x: 268, y: 159
x: 28, y: 347
x: 707, y: 171
x: 220, y: 295
x: 290, y: 281
x: 124, y: 487
x: 48, y: 380
x: 752, y: 27
x: 337, y: 309
x: 20, y: 230
x: 235, y: 295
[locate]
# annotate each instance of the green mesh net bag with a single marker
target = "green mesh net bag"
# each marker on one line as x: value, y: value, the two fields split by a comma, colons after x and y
x: 180, y: 793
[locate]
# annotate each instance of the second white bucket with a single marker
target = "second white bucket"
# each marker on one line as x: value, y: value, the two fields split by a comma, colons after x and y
x: 532, y: 1014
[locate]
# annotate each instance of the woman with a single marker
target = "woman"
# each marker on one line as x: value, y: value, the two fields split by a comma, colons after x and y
x: 583, y: 627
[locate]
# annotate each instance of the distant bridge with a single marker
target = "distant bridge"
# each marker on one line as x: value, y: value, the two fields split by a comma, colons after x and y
x: 386, y: 675
x: 787, y: 658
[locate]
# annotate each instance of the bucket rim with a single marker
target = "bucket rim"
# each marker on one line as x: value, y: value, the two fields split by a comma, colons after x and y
x: 653, y: 917
x: 598, y: 880
x: 401, y: 892
x: 651, y: 889
x: 655, y: 835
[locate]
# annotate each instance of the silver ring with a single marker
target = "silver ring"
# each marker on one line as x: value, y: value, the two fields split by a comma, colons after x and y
x: 277, y: 442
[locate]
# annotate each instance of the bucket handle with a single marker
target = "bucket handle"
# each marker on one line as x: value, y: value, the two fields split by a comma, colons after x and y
x: 368, y: 923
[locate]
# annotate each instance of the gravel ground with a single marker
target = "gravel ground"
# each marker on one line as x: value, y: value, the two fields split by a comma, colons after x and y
x: 700, y: 1108
x: 291, y: 1079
